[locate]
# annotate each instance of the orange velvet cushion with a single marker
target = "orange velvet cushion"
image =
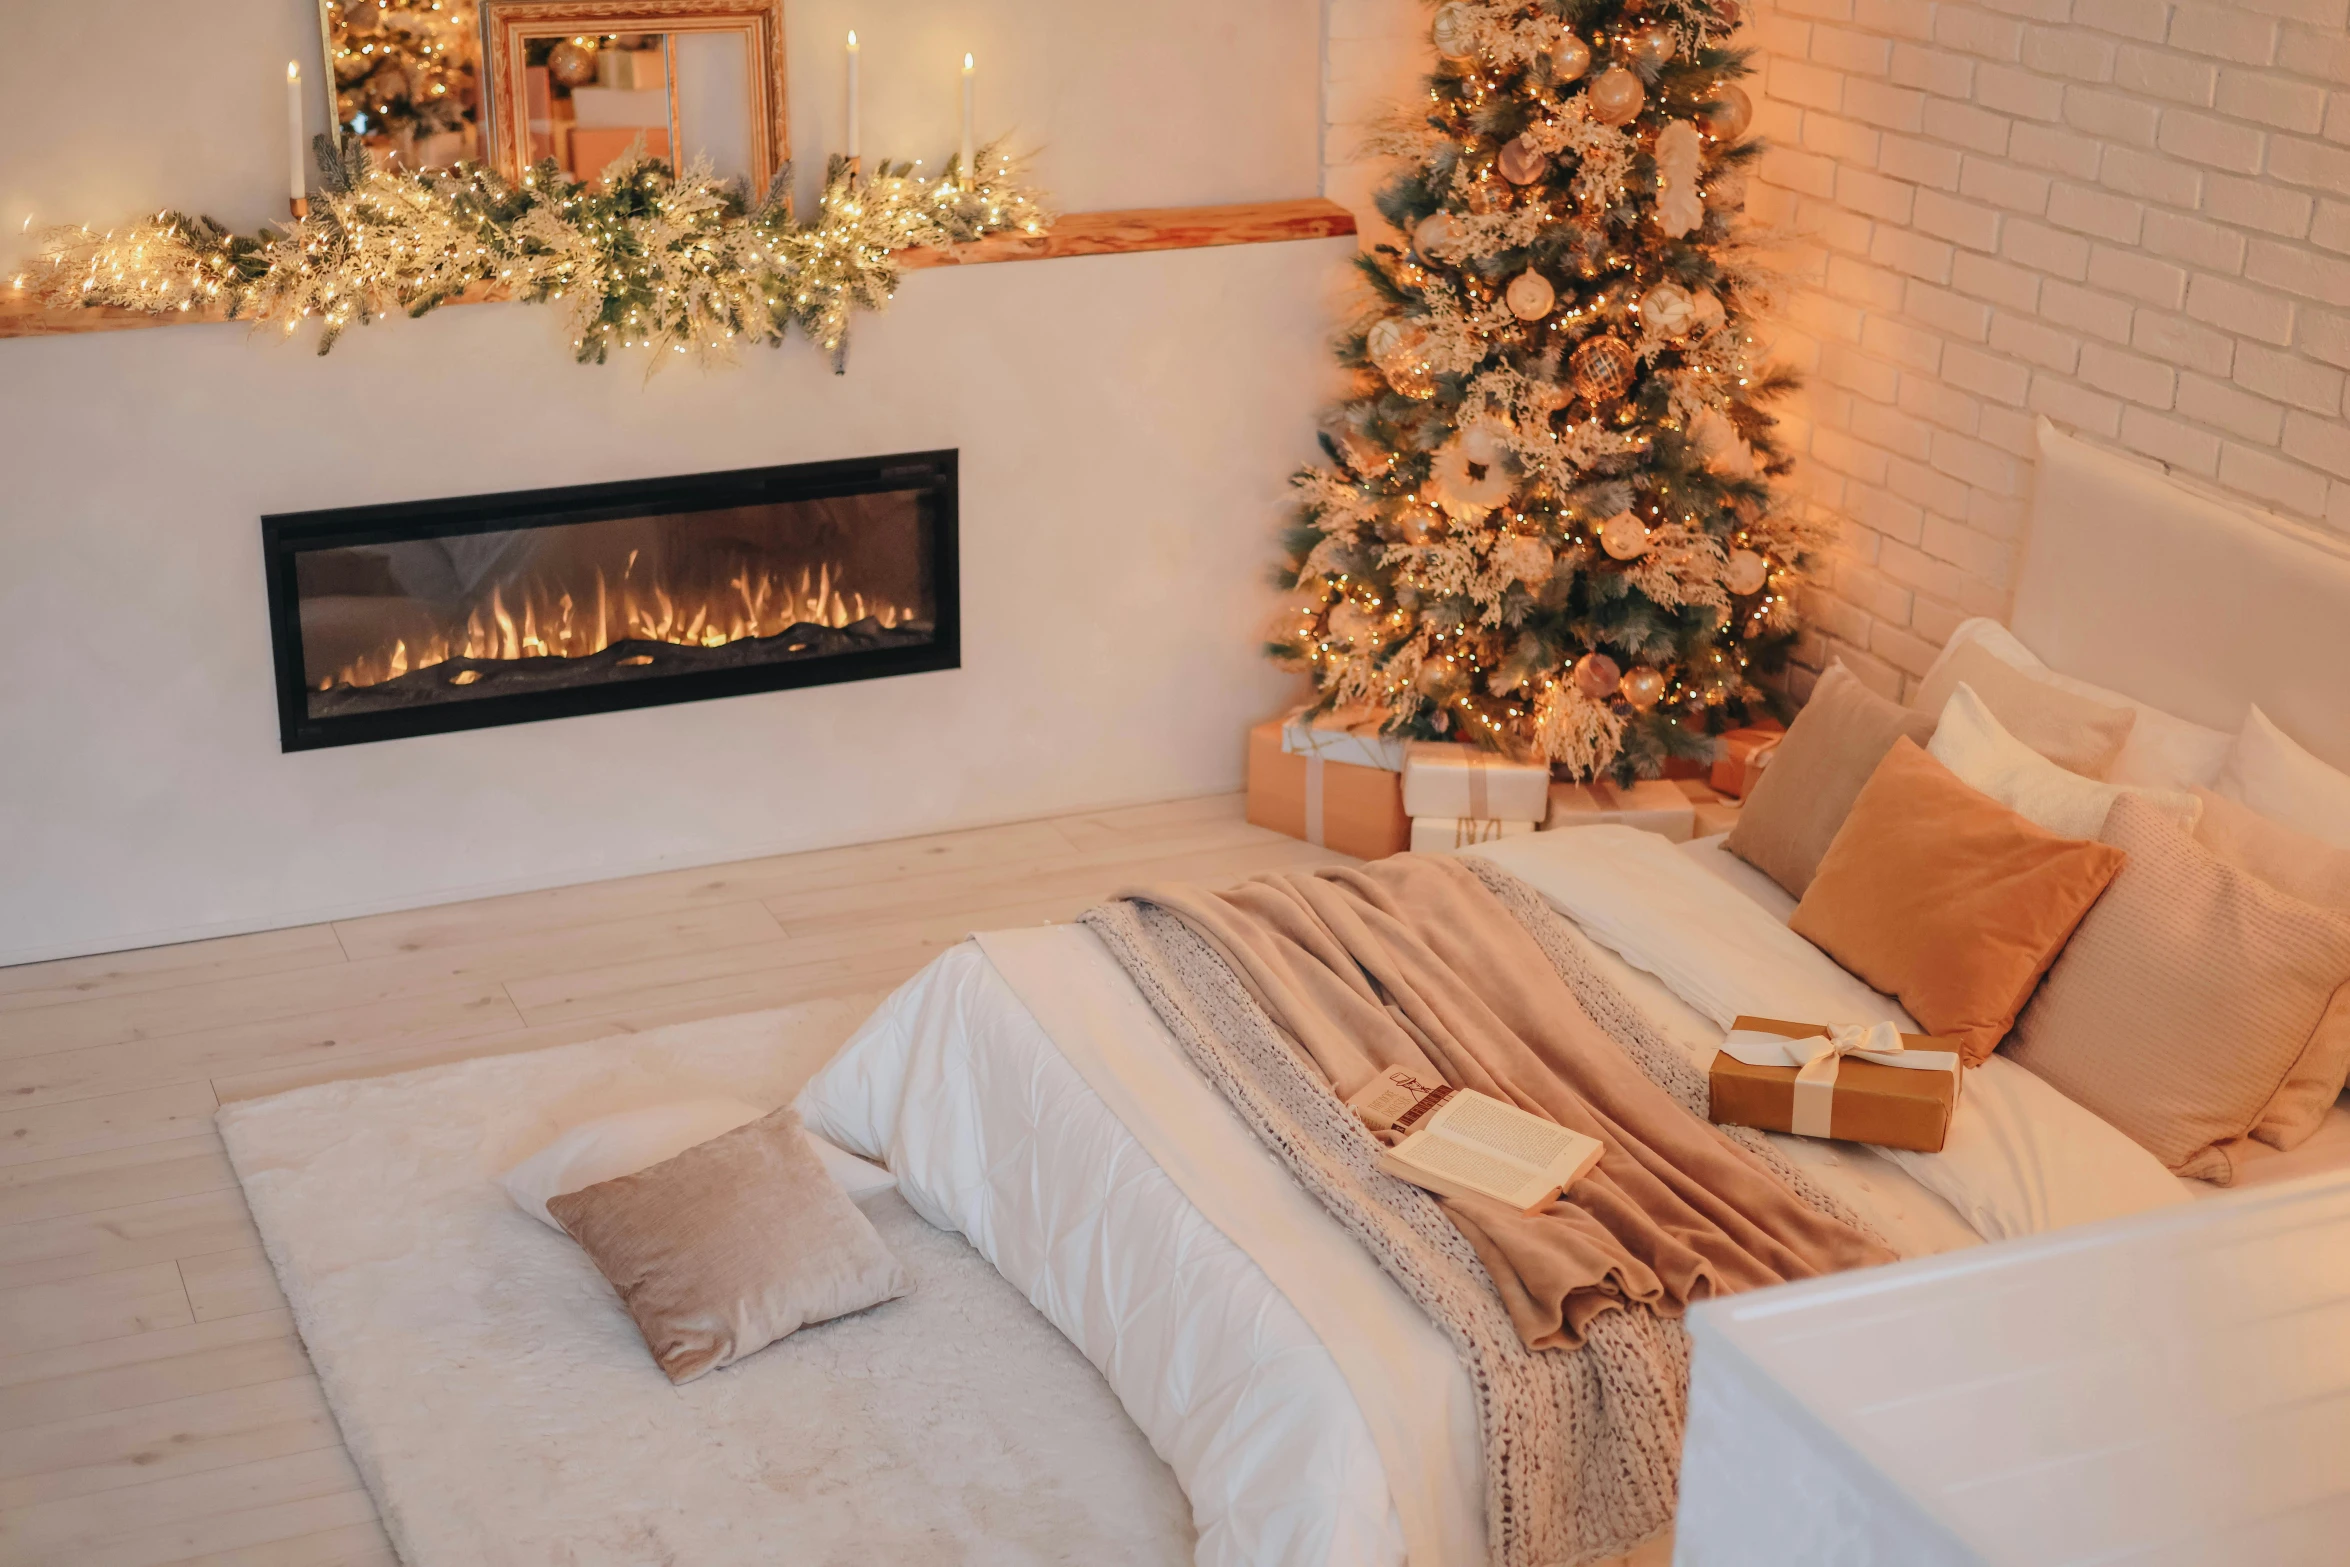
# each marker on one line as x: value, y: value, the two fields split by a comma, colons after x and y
x: 1939, y: 895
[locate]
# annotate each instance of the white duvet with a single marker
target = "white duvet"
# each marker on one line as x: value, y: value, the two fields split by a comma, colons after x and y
x: 1025, y: 1095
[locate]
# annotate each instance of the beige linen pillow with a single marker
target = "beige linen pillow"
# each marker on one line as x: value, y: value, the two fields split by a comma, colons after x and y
x: 2277, y: 776
x: 2077, y: 733
x: 2195, y: 1006
x: 1977, y: 747
x: 731, y: 1245
x: 1792, y: 813
x: 1939, y: 895
x: 2292, y: 862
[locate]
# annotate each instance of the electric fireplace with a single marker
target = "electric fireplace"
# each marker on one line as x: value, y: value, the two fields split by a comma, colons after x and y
x: 503, y: 609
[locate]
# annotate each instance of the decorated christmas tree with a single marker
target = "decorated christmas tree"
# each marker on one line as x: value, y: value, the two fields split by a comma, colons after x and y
x: 1547, y: 523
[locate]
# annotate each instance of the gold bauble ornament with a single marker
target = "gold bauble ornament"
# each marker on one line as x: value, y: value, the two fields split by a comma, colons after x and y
x: 1569, y: 60
x: 1524, y: 559
x: 1652, y: 46
x: 1602, y: 368
x: 1438, y: 238
x: 572, y: 64
x: 1519, y: 163
x: 1385, y: 338
x: 1597, y: 676
x: 1623, y: 536
x: 1732, y: 113
x: 1616, y: 96
x: 1399, y: 348
x: 1642, y: 687
x: 1748, y: 572
x: 1452, y: 30
x: 362, y: 18
x: 1529, y: 296
x: 1667, y: 308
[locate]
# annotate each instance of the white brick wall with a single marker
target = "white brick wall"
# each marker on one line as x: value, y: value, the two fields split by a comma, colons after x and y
x: 2130, y: 215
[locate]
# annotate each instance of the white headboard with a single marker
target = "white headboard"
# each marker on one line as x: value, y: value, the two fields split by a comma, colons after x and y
x: 2185, y: 602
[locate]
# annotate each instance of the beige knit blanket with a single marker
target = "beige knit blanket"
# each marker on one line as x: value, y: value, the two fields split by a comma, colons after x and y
x: 1582, y: 1443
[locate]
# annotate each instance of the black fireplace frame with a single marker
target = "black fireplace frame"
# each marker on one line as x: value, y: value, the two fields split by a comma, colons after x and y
x: 284, y: 535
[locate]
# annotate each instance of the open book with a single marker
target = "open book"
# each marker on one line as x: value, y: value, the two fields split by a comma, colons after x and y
x: 1461, y: 1143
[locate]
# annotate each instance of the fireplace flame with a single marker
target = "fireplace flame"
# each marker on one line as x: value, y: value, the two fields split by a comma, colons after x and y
x: 544, y: 621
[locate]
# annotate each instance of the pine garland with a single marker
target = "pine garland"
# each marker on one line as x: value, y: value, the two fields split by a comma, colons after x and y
x: 640, y: 259
x: 1560, y: 361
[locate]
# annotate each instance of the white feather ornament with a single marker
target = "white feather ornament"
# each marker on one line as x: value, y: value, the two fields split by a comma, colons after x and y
x: 1679, y: 156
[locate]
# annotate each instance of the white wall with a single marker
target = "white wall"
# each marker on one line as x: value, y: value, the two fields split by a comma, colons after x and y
x: 2130, y: 215
x: 1126, y: 425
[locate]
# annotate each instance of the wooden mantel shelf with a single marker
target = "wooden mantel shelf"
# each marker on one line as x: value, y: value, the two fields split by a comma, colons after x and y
x: 1076, y: 234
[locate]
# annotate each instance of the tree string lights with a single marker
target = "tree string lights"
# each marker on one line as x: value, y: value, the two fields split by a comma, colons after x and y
x: 1546, y: 522
x: 640, y: 259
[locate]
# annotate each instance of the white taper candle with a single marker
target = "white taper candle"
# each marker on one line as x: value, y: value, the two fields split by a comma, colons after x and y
x: 297, y: 180
x: 852, y: 95
x: 970, y: 175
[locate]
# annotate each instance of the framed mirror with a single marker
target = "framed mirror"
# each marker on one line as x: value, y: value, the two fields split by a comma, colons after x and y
x: 427, y: 83
x: 580, y: 80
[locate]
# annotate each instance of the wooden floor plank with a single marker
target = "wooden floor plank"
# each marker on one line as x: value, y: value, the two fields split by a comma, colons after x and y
x: 43, y: 1251
x: 352, y: 1545
x: 665, y: 892
x: 211, y: 1431
x: 154, y: 1367
x: 156, y: 1015
x: 232, y: 1283
x: 161, y: 968
x: 189, y: 1060
x: 113, y: 1178
x: 166, y: 1520
x: 35, y: 1317
x: 96, y: 1122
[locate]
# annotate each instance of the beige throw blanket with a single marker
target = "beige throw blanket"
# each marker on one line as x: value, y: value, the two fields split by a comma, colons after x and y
x: 1291, y: 991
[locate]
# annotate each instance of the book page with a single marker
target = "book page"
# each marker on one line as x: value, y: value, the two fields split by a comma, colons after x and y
x: 1466, y: 1165
x: 1503, y: 1130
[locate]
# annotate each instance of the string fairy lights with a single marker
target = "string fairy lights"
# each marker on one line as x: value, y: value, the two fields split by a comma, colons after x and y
x: 639, y: 259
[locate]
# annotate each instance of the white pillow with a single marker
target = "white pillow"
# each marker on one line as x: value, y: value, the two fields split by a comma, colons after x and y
x: 1975, y: 746
x: 2271, y: 773
x: 2163, y: 751
x: 612, y: 1146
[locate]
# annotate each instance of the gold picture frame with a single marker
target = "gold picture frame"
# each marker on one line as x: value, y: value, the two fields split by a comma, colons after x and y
x: 509, y: 26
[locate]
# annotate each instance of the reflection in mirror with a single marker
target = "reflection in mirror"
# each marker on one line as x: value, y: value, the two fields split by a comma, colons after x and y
x: 406, y: 77
x: 581, y: 81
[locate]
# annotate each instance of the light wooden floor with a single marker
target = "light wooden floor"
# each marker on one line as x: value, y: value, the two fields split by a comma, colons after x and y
x: 155, y: 1405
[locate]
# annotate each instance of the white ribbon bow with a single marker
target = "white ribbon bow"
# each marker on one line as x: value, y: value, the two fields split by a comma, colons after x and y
x: 1818, y: 1058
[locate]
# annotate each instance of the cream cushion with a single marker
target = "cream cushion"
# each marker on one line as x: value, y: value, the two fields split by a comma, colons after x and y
x: 2164, y: 751
x: 1973, y: 744
x: 2274, y: 775
x: 2079, y: 734
x: 615, y: 1145
x: 1816, y: 772
x: 731, y: 1245
x: 2292, y: 862
x: 2196, y: 1006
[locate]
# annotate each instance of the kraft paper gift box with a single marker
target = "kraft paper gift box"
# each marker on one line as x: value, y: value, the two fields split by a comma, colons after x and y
x: 1740, y: 755
x: 1442, y: 779
x: 1895, y: 1099
x: 1355, y: 810
x: 1332, y: 738
x: 1436, y: 834
x: 1653, y: 805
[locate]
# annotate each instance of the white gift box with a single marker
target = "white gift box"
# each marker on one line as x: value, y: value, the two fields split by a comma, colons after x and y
x: 1359, y: 745
x: 1440, y: 779
x: 1653, y: 805
x: 1440, y: 834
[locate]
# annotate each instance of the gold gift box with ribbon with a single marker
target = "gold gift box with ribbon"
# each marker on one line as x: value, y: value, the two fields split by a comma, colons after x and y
x: 1355, y: 810
x: 1866, y: 1085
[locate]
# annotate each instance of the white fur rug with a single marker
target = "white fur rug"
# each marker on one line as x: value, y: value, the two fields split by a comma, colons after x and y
x: 504, y: 1411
